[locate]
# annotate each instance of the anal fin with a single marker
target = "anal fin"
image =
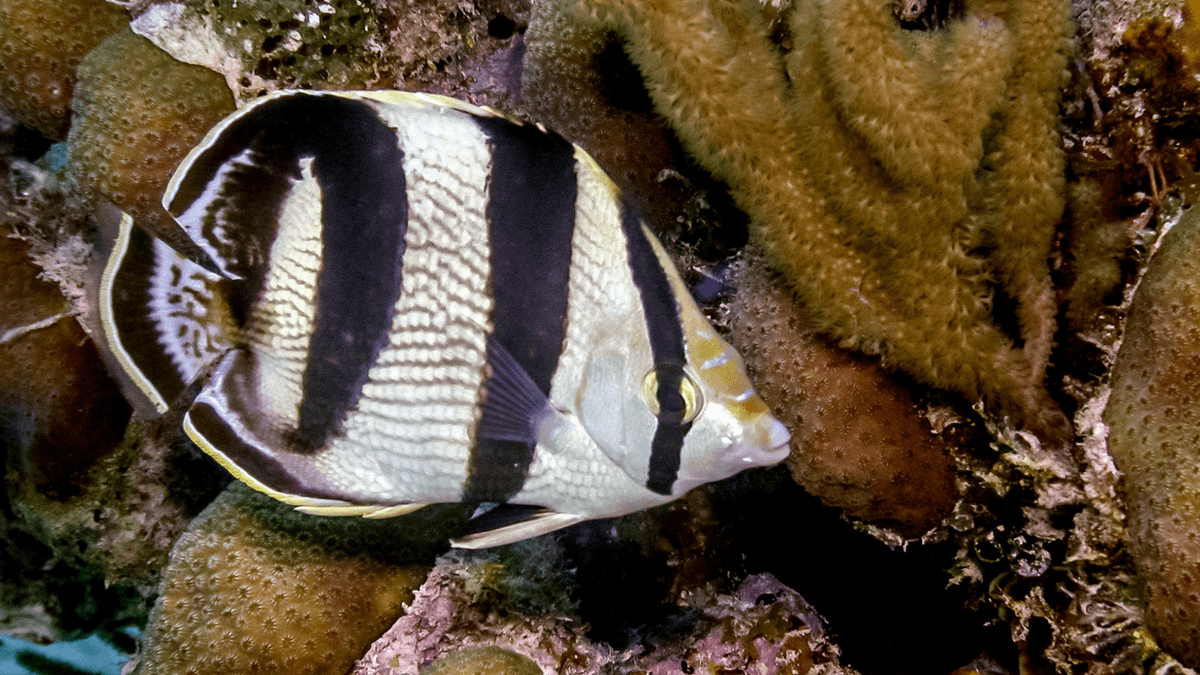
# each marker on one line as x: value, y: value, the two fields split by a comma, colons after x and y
x: 508, y: 523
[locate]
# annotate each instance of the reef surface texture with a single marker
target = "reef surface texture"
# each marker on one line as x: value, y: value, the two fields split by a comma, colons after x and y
x: 893, y: 176
x: 1154, y: 419
x: 902, y: 168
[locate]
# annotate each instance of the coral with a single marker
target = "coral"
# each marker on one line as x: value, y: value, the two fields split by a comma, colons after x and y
x: 254, y: 586
x: 59, y: 411
x: 272, y: 44
x: 858, y: 441
x: 137, y: 113
x: 480, y: 660
x: 578, y: 82
x: 41, y: 43
x: 761, y: 625
x: 1098, y: 246
x: 892, y: 176
x: 342, y: 44
x: 1155, y: 425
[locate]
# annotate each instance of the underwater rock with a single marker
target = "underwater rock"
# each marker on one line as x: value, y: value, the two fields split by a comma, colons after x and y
x: 254, y: 586
x: 482, y: 661
x: 761, y: 626
x: 1154, y: 419
x: 259, y: 47
x: 41, y: 43
x: 889, y: 197
x: 859, y: 442
x: 137, y: 113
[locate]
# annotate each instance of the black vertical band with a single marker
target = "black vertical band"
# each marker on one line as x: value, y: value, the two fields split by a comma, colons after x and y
x: 359, y: 166
x: 666, y: 342
x: 531, y: 219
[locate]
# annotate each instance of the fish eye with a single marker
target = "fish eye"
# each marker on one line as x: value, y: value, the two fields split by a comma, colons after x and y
x: 693, y: 400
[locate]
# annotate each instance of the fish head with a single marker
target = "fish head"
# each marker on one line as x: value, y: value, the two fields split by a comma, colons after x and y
x: 675, y: 424
x: 732, y: 428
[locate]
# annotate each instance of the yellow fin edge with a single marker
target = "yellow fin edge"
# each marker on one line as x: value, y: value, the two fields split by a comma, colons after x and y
x: 309, y: 505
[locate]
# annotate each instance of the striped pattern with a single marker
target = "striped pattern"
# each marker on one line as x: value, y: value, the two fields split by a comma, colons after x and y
x: 422, y: 301
x: 666, y: 343
x: 162, y: 314
x: 531, y: 216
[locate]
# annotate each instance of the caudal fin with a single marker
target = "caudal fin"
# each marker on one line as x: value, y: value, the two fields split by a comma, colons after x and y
x: 162, y: 315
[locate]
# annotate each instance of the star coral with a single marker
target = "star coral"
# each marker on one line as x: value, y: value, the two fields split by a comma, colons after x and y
x: 1154, y: 427
x: 41, y: 43
x: 901, y: 180
x: 256, y: 587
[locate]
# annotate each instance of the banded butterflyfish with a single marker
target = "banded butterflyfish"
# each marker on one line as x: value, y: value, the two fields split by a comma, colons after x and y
x: 406, y: 299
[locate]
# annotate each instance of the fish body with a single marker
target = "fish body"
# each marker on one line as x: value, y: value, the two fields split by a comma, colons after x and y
x: 410, y: 300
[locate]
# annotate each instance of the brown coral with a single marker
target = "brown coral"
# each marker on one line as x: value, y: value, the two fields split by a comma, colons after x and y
x: 41, y: 43
x: 892, y: 176
x: 255, y: 587
x: 59, y: 411
x: 138, y: 112
x: 1154, y: 419
x: 858, y: 441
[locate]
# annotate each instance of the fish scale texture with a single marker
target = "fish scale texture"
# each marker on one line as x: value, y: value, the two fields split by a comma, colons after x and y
x: 422, y: 395
x: 1154, y: 436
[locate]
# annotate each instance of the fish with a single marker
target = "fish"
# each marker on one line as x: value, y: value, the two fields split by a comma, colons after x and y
x: 405, y: 299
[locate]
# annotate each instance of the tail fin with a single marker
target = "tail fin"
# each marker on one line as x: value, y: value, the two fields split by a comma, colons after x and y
x: 164, y: 317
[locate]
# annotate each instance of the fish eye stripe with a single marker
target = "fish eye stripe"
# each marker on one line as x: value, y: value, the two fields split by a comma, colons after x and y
x: 661, y: 311
x: 532, y: 192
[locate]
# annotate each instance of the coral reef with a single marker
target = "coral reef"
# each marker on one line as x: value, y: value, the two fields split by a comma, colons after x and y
x: 344, y: 44
x: 762, y: 624
x: 1155, y: 425
x: 138, y: 111
x: 1035, y: 538
x: 858, y: 440
x: 41, y: 43
x: 868, y: 171
x: 59, y: 411
x: 254, y: 586
x: 490, y: 660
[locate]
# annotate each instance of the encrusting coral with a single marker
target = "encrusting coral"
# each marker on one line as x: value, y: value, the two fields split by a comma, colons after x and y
x: 137, y: 113
x: 866, y: 449
x: 41, y: 43
x: 254, y: 586
x: 1154, y: 428
x: 900, y: 180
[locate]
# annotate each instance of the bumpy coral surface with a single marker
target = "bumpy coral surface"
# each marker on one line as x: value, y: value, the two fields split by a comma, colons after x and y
x: 858, y: 441
x: 41, y: 43
x: 59, y: 411
x: 256, y: 587
x: 138, y: 112
x: 893, y: 176
x: 1154, y: 415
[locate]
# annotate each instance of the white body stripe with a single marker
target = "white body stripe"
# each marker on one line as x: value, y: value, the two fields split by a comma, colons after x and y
x: 281, y: 326
x: 410, y: 435
x: 604, y: 318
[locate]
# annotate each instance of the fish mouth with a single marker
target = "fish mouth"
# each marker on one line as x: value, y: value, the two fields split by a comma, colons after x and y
x: 764, y: 444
